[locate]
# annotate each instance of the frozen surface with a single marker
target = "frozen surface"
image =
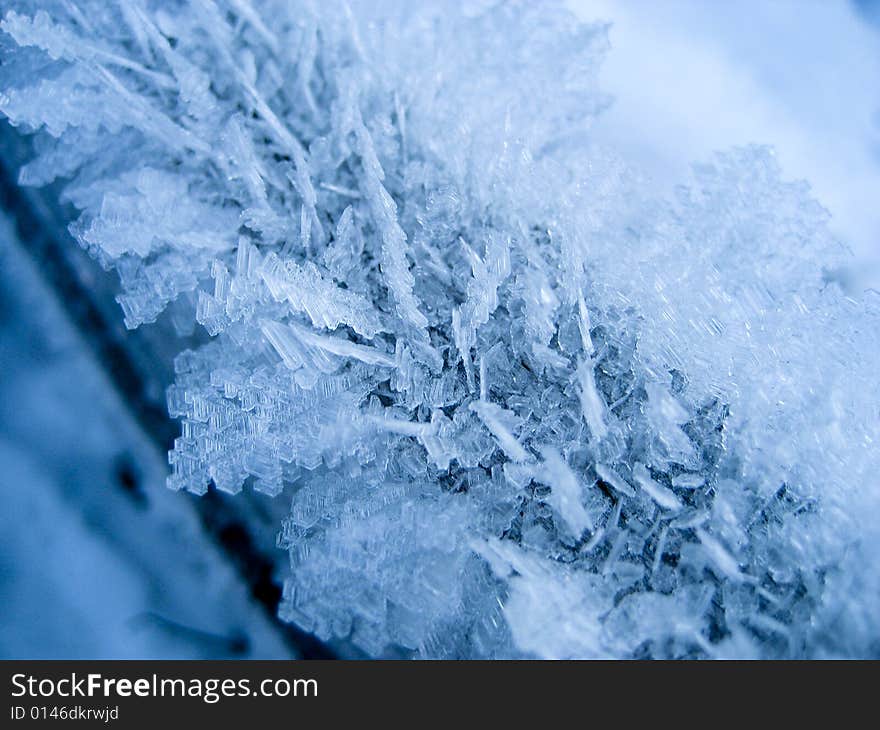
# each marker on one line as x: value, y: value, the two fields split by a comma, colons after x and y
x: 521, y: 403
x: 796, y: 74
x: 97, y: 559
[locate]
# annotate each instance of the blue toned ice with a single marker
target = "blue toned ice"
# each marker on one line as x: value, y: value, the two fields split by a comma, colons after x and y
x: 521, y: 404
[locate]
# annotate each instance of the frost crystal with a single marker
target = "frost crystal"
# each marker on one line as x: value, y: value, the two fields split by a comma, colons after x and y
x: 521, y: 405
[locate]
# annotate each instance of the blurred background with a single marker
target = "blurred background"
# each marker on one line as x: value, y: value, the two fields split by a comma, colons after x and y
x: 98, y: 559
x: 693, y: 76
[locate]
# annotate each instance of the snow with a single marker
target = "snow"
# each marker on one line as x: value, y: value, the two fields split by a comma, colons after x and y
x: 523, y: 400
x: 87, y: 569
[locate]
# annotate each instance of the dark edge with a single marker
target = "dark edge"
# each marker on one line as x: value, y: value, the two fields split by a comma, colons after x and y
x: 38, y: 225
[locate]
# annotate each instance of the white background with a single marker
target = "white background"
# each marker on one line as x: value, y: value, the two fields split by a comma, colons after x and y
x: 693, y: 76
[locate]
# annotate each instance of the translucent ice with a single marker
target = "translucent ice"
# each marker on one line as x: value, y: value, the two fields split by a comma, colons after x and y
x: 520, y: 403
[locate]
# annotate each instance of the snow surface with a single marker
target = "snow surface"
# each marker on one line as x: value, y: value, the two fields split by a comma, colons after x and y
x: 87, y: 568
x: 522, y: 400
x: 693, y: 76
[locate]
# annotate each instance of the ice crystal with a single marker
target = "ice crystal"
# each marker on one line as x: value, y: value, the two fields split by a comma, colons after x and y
x: 521, y: 405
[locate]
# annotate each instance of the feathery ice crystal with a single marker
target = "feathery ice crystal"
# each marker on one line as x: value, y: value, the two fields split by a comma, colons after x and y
x: 522, y: 405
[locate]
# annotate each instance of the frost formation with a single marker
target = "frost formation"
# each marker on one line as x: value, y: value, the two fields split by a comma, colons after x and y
x: 522, y: 405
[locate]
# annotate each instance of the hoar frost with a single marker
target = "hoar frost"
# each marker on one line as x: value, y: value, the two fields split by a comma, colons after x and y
x: 521, y: 405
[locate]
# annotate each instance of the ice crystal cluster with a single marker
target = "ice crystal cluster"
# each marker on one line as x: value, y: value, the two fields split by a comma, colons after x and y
x: 522, y: 405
